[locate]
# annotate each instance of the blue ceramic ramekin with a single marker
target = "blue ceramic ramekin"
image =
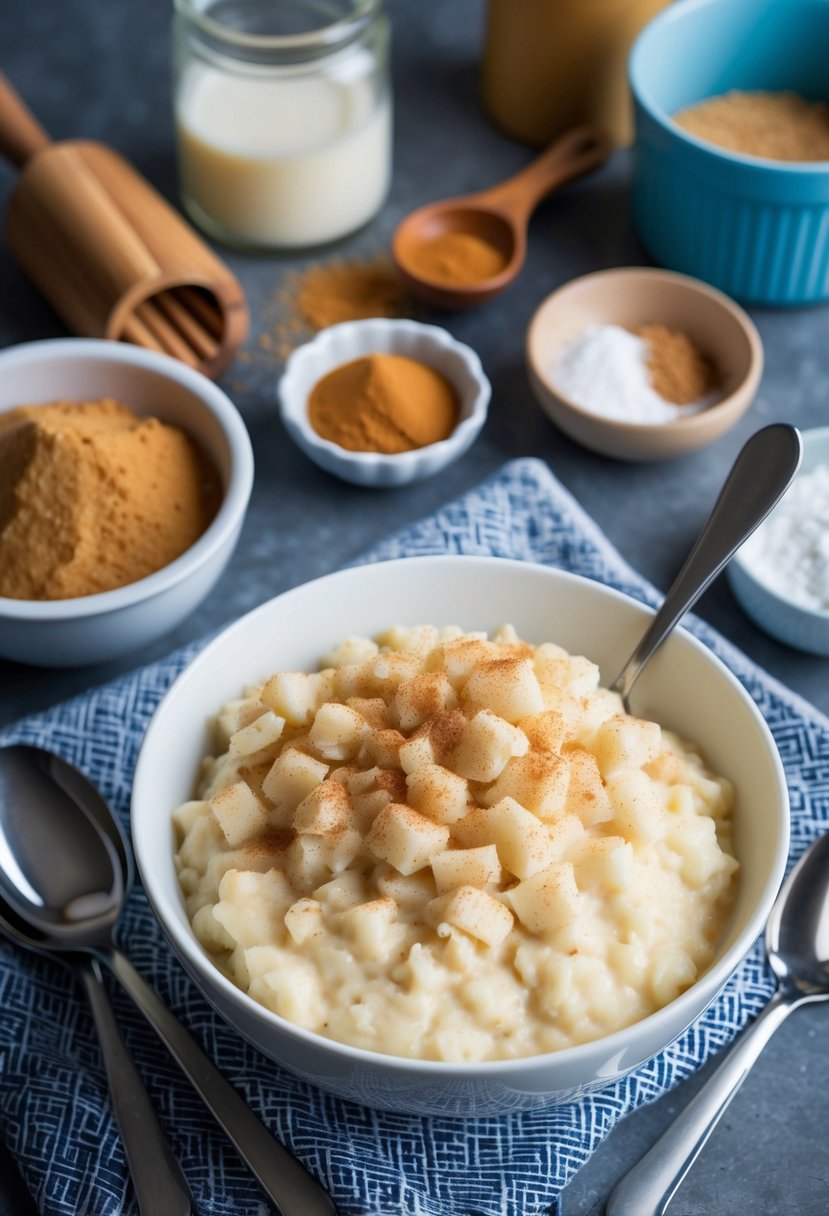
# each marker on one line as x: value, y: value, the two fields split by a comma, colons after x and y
x: 757, y: 229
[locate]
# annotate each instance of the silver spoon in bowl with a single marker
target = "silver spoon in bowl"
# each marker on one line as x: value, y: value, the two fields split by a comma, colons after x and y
x: 764, y: 469
x: 797, y: 947
x: 64, y: 873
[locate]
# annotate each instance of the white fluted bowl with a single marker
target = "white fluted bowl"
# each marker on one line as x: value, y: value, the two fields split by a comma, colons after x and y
x: 354, y: 339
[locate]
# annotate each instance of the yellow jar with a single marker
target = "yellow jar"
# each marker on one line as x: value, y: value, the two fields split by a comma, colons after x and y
x: 549, y: 64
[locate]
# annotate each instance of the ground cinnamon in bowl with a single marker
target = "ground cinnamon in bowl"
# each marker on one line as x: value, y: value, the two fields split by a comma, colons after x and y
x: 383, y: 403
x: 774, y: 126
x: 93, y: 497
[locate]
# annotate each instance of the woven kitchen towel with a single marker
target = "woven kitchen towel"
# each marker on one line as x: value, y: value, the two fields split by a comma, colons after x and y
x: 53, y: 1102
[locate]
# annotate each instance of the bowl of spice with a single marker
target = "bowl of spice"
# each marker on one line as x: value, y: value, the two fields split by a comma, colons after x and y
x: 383, y: 402
x: 731, y: 177
x: 124, y: 480
x: 642, y: 364
x: 780, y: 576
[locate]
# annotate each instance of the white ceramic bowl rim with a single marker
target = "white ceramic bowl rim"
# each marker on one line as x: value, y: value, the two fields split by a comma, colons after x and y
x: 686, y: 422
x: 235, y: 497
x: 199, y: 961
x: 440, y: 337
x: 816, y: 434
x: 666, y: 122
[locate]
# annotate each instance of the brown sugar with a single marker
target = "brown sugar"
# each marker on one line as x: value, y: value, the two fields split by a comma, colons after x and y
x: 774, y: 126
x: 455, y: 259
x: 383, y: 403
x: 677, y: 369
x: 93, y: 497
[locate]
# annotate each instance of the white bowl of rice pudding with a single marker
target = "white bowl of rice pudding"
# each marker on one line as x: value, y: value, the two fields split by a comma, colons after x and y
x: 446, y: 873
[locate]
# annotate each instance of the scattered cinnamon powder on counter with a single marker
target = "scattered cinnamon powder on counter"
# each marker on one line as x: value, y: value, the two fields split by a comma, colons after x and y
x: 327, y: 293
x: 455, y: 259
x: 383, y: 403
x: 774, y: 126
x: 93, y: 497
x: 677, y: 369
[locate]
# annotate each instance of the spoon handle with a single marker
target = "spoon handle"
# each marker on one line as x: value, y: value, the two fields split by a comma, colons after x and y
x: 649, y: 1187
x: 758, y: 479
x: 574, y: 153
x: 287, y: 1183
x: 156, y: 1175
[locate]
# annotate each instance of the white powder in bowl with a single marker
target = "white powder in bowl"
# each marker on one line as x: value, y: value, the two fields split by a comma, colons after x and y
x: 789, y: 552
x: 604, y: 369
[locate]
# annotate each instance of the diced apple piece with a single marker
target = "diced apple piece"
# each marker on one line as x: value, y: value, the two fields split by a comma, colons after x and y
x: 210, y: 932
x: 523, y: 842
x: 352, y: 651
x: 309, y: 860
x: 485, y: 746
x: 325, y: 811
x: 537, y: 780
x: 185, y: 816
x: 304, y: 920
x: 466, y: 868
x: 459, y: 656
x: 625, y: 742
x: 382, y: 747
x: 546, y: 901
x: 405, y: 839
x: 263, y: 732
x: 373, y: 709
x: 415, y: 639
x: 239, y: 813
x: 605, y: 862
x: 337, y: 732
x: 508, y: 687
x: 292, y: 777
x: 416, y: 753
x: 288, y: 984
x: 475, y: 912
x: 369, y: 928
x: 343, y: 891
x: 438, y: 793
x: 296, y: 695
x: 409, y: 891
x: 422, y: 697
x: 546, y: 731
x: 252, y: 906
x: 586, y: 793
x: 637, y: 809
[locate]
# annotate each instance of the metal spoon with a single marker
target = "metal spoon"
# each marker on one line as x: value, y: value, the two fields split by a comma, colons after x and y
x: 761, y: 474
x: 62, y: 887
x: 159, y: 1184
x: 797, y: 946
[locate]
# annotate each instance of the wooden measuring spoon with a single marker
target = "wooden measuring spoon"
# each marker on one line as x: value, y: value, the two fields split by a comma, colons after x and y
x: 498, y: 216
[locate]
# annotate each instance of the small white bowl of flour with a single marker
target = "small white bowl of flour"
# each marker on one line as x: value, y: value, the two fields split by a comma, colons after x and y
x: 642, y: 364
x: 781, y: 575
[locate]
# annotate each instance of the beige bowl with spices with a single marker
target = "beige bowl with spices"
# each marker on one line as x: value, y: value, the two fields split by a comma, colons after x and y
x: 341, y: 344
x: 633, y: 297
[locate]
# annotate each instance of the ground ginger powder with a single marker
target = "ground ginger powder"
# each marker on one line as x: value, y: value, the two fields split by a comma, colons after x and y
x: 93, y: 497
x: 383, y: 403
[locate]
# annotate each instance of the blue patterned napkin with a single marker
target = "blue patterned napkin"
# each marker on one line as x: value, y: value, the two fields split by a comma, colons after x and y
x: 53, y: 1101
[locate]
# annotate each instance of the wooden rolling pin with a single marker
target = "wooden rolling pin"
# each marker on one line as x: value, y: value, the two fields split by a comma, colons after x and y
x: 109, y: 253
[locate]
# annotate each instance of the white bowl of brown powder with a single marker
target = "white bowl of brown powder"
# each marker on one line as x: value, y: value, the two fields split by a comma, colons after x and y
x: 124, y: 480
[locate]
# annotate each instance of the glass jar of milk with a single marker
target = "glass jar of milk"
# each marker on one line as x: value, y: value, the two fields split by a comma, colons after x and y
x: 283, y: 112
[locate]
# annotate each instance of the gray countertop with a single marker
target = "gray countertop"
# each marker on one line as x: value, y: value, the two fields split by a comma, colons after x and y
x: 102, y: 71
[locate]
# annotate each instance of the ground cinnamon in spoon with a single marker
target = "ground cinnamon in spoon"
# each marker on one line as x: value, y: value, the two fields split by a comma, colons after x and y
x: 455, y: 259
x: 383, y: 403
